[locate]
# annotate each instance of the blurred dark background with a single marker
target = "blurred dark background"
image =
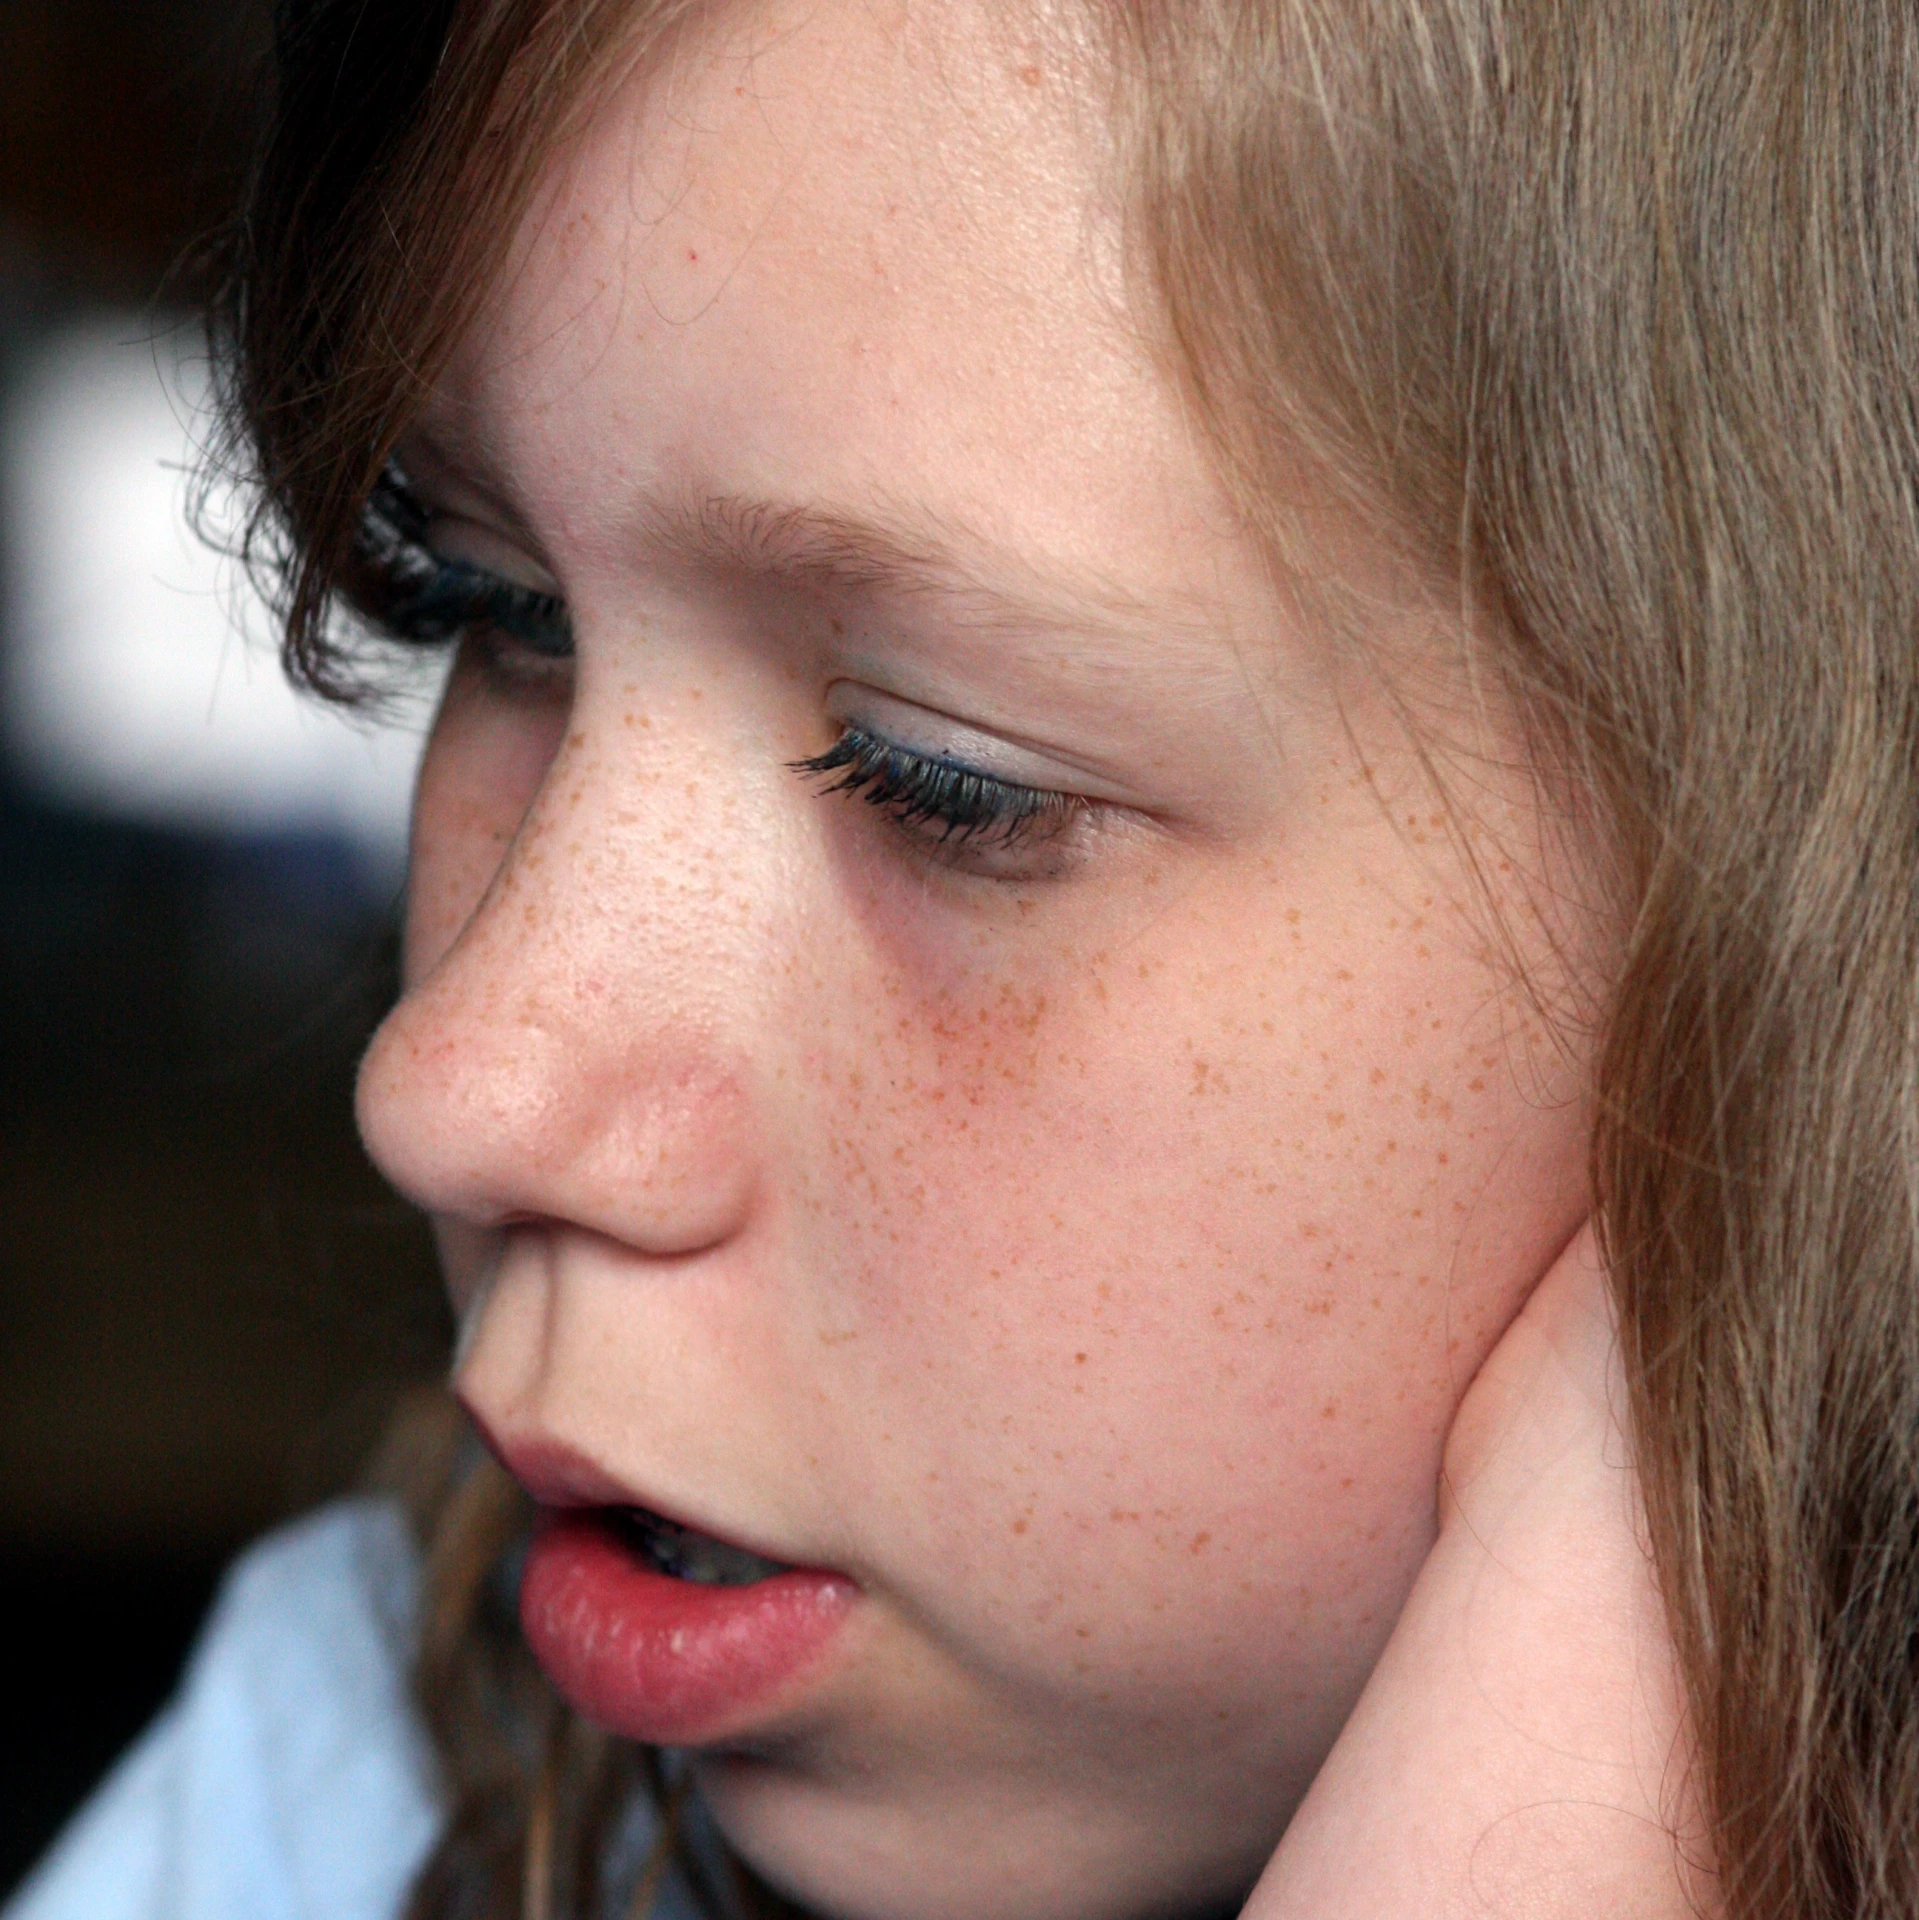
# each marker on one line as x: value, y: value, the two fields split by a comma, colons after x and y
x: 207, y: 1299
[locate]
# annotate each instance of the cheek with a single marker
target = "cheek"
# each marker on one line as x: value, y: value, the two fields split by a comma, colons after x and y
x: 1152, y: 1273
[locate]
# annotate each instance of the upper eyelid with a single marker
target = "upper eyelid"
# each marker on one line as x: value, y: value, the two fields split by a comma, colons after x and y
x: 972, y: 807
x: 393, y: 540
x: 938, y: 723
x: 945, y: 763
x: 444, y: 529
x: 449, y: 493
x: 416, y: 515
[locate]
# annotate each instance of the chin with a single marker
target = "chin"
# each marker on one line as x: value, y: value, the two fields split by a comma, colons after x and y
x: 845, y: 1853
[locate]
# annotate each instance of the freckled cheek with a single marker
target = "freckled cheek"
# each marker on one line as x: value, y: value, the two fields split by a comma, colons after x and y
x: 1091, y: 1252
x: 1144, y: 1301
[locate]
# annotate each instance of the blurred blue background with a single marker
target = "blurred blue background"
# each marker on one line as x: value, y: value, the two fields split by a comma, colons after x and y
x: 207, y: 1300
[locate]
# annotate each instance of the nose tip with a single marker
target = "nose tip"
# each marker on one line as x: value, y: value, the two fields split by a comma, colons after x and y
x: 491, y: 1120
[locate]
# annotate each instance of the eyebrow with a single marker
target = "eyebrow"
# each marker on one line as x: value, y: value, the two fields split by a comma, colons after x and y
x: 905, y: 552
x: 901, y: 553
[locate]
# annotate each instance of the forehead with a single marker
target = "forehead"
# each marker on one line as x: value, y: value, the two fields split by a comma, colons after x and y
x: 851, y: 252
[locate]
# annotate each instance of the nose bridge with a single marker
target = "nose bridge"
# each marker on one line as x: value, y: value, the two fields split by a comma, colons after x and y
x: 580, y: 1051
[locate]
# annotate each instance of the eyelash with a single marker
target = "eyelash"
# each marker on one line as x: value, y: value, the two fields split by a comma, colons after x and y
x: 967, y: 807
x: 422, y: 599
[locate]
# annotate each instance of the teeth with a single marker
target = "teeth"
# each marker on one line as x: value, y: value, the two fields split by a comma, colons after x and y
x: 685, y: 1555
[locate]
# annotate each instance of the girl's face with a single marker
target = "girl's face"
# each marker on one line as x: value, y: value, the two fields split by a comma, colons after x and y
x: 1071, y: 1221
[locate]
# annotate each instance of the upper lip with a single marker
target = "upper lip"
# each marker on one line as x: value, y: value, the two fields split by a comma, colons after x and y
x: 557, y: 1474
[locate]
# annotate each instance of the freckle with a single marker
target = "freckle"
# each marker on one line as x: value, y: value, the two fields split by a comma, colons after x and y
x: 1346, y: 1484
x: 1199, y: 1543
x: 1335, y: 1119
x: 1079, y: 1359
x: 1330, y: 1410
x: 1378, y: 1076
x: 1475, y: 1086
x: 1019, y: 1526
x: 1083, y: 1633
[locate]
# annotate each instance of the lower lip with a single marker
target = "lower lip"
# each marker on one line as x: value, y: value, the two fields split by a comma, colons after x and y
x: 667, y: 1661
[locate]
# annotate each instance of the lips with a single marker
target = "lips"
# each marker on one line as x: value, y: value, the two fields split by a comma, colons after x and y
x: 674, y: 1658
x: 654, y: 1629
x: 667, y: 1547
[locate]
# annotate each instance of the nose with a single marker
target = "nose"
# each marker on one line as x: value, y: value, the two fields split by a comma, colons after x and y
x: 579, y: 1051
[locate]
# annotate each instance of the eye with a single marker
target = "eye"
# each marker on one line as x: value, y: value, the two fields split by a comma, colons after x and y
x: 422, y: 598
x: 962, y: 816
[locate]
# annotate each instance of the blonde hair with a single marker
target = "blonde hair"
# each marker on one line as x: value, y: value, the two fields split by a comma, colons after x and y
x: 1622, y: 304
x: 1610, y: 309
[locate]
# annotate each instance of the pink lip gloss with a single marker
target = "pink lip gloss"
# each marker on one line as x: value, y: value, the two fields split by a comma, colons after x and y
x: 669, y: 1661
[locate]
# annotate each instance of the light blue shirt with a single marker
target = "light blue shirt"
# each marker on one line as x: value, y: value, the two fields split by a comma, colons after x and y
x: 289, y: 1778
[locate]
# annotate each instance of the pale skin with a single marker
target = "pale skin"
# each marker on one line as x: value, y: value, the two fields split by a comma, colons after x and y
x: 1083, y: 1241
x: 1520, y: 1748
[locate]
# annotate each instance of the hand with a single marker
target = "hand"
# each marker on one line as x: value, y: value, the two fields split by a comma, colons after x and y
x: 1519, y: 1749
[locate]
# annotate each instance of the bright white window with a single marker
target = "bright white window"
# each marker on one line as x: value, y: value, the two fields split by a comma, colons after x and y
x: 140, y: 673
